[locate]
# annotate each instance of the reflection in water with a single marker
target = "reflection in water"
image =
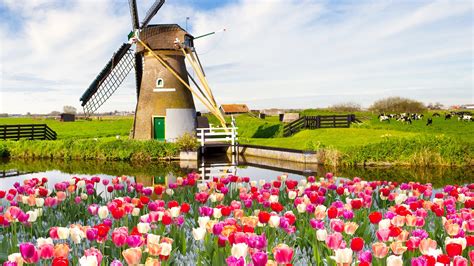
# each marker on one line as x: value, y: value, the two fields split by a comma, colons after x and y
x: 152, y: 173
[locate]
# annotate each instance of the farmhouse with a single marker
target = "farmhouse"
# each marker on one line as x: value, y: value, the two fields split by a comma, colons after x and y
x: 230, y: 109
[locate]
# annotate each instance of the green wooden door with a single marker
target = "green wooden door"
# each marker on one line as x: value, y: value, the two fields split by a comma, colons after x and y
x: 159, y: 128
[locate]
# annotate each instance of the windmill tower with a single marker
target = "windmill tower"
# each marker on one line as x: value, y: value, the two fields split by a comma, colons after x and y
x: 165, y: 107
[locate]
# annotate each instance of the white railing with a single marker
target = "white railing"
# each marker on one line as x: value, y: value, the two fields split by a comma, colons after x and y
x: 214, y: 135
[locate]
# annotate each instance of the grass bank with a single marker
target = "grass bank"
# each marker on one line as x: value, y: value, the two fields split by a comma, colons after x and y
x: 90, y: 149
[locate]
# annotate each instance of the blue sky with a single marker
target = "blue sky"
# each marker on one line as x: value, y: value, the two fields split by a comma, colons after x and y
x: 290, y: 54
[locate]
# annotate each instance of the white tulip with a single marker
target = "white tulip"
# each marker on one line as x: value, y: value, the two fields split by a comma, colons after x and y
x: 274, y: 221
x: 39, y: 202
x: 239, y: 250
x: 44, y: 241
x: 152, y: 239
x: 169, y: 192
x: 199, y: 233
x: 165, y: 249
x: 273, y: 198
x: 301, y: 208
x: 343, y: 255
x: 321, y: 234
x: 63, y: 233
x: 175, y: 211
x: 81, y: 184
x: 103, y: 212
x: 217, y: 213
x: 143, y: 228
x: 88, y: 261
x: 76, y: 235
x: 393, y: 260
x: 135, y: 212
x: 253, y: 183
x: 32, y: 216
x: 202, y: 221
x: 84, y: 196
x: 261, y: 182
x: 292, y: 194
x: 400, y: 198
x: 385, y: 223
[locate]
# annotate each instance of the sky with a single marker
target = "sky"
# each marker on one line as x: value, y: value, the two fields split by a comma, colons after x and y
x: 284, y: 54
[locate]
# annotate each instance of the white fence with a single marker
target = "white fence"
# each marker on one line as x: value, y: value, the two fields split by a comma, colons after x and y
x: 216, y: 136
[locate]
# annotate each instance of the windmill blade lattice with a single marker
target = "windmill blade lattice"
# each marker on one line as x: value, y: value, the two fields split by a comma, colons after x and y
x: 109, y: 79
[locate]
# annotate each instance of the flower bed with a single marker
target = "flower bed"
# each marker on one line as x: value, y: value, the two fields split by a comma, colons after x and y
x: 235, y: 221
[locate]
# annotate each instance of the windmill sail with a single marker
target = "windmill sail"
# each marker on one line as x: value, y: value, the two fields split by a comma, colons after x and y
x: 152, y: 12
x: 138, y: 71
x: 134, y: 13
x: 109, y: 79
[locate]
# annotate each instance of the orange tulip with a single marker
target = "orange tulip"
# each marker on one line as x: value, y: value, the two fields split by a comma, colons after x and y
x: 403, y: 236
x: 452, y: 228
x: 61, y: 250
x: 380, y: 250
x: 132, y: 255
x: 427, y: 244
x: 398, y: 220
x: 152, y: 262
x: 350, y: 228
x: 228, y: 229
x: 238, y: 213
x: 251, y: 221
x: 398, y: 248
x: 61, y: 195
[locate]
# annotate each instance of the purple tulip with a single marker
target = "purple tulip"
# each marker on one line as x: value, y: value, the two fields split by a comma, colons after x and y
x: 259, y: 258
x: 27, y: 250
x: 134, y: 241
x: 115, y: 262
x: 233, y: 261
x: 257, y: 241
x: 365, y: 256
x: 91, y: 234
x: 217, y: 228
x: 105, y: 182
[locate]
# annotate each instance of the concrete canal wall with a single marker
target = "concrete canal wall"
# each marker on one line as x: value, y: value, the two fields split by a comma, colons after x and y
x: 280, y: 154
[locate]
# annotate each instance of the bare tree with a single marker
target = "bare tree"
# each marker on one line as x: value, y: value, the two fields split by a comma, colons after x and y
x: 345, y: 107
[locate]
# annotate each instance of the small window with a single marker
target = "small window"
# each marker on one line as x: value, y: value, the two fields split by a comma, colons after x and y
x: 160, y: 83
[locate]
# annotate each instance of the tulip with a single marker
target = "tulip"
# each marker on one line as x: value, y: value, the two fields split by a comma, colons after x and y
x: 283, y: 254
x: 93, y: 252
x: 61, y: 250
x: 63, y: 233
x: 103, y: 212
x: 333, y: 241
x: 239, y: 250
x: 380, y: 250
x: 88, y: 261
x: 199, y: 233
x: 134, y: 241
x: 426, y: 245
x: 116, y: 263
x: 60, y: 261
x: 357, y: 244
x: 453, y: 249
x: 46, y: 251
x: 233, y: 261
x: 321, y: 234
x: 460, y: 261
x: 132, y: 255
x: 393, y: 260
x: 397, y: 247
x: 343, y: 256
x: 259, y: 258
x: 27, y: 250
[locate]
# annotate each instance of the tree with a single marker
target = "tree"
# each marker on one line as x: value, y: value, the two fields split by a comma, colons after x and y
x: 67, y: 109
x: 397, y: 105
x: 55, y: 113
x: 345, y: 107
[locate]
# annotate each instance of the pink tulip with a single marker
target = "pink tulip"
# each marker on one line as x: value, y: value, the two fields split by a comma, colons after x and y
x: 383, y: 234
x: 337, y: 225
x: 283, y: 254
x: 259, y: 258
x: 94, y: 252
x: 46, y: 251
x: 459, y: 261
x: 333, y: 241
x: 119, y: 236
x: 134, y: 241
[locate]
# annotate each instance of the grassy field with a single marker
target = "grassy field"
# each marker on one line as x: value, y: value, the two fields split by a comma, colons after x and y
x: 80, y: 129
x: 446, y: 142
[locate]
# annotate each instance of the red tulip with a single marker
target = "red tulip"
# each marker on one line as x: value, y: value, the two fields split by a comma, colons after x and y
x: 375, y: 217
x: 263, y: 217
x: 291, y: 184
x: 226, y: 210
x: 166, y: 219
x: 443, y: 259
x: 60, y: 261
x: 185, y: 207
x: 453, y: 249
x: 276, y: 206
x: 332, y: 212
x: 357, y: 244
x: 356, y: 204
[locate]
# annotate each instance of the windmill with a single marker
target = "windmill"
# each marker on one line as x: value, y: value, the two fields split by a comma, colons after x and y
x: 165, y: 107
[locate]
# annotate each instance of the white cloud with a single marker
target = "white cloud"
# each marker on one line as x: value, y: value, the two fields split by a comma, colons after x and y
x: 274, y: 53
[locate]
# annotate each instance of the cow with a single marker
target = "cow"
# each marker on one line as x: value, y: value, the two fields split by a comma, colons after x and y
x: 429, y: 122
x: 436, y: 115
x: 447, y: 116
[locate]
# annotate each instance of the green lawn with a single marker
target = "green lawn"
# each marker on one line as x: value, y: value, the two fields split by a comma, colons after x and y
x: 80, y: 129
